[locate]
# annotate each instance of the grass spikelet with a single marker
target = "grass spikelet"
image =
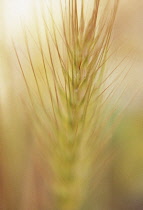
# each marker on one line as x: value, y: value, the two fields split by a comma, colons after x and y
x: 65, y: 78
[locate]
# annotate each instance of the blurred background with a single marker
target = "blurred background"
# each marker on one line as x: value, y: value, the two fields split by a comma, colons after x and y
x: 22, y: 180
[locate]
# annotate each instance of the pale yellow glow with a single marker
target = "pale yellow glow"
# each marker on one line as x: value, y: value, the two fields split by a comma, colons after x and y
x: 15, y: 11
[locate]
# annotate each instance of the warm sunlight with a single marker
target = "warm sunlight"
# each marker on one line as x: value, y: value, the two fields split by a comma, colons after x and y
x: 16, y: 10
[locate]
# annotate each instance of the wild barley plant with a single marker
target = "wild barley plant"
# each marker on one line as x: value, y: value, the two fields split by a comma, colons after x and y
x: 66, y: 103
